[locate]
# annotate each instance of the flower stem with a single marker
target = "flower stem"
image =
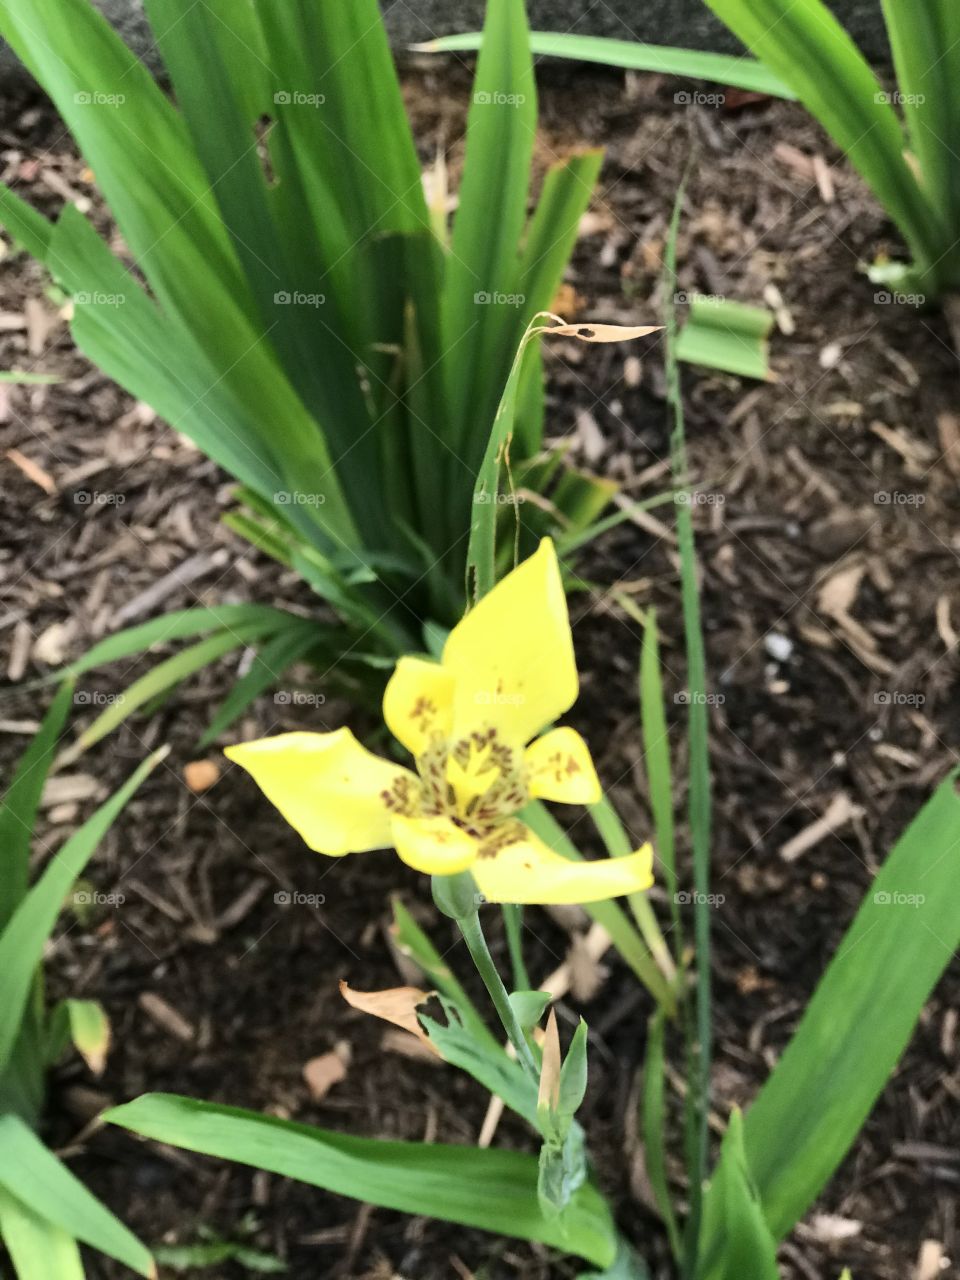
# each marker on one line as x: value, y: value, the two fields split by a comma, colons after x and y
x: 469, y: 926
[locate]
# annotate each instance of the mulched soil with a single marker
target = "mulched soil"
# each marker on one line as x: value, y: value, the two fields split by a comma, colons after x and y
x: 827, y: 532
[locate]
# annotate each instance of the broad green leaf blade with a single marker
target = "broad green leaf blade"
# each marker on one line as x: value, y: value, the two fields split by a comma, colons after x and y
x: 737, y: 1241
x: 23, y: 940
x: 742, y: 73
x: 482, y: 269
x: 727, y: 335
x: 34, y: 1176
x: 493, y: 1190
x: 861, y: 1016
x: 280, y: 652
x: 804, y: 43
x: 164, y: 676
x: 18, y: 812
x: 38, y: 1249
x: 29, y: 228
x: 926, y: 50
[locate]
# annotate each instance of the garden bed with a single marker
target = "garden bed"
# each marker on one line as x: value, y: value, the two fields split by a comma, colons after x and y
x: 828, y: 539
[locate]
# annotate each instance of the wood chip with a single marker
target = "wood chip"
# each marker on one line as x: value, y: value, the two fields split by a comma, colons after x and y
x: 201, y: 775
x: 930, y: 1262
x: 944, y: 625
x: 839, y: 812
x: 322, y: 1073
x: 53, y: 645
x: 189, y: 571
x: 33, y: 471
x: 166, y: 1016
x: 948, y: 428
x: 64, y: 788
x: 19, y: 651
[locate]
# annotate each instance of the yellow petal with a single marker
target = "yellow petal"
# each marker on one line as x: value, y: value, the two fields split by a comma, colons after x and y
x: 418, y: 703
x: 334, y: 792
x: 559, y: 767
x: 530, y: 872
x: 435, y: 845
x: 512, y: 655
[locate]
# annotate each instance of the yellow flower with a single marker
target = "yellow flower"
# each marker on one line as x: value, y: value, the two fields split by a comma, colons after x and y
x: 507, y: 673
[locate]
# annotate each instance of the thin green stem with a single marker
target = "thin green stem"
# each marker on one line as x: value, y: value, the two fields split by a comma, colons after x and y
x: 469, y: 926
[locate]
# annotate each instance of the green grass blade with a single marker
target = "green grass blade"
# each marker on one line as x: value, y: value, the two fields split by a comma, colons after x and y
x: 36, y: 1247
x: 652, y: 1127
x: 35, y: 1177
x: 23, y: 940
x: 490, y: 1189
x: 699, y: 757
x: 619, y: 844
x: 656, y: 759
x: 280, y: 652
x: 18, y: 813
x: 162, y: 677
x: 804, y: 43
x: 861, y: 1017
x: 742, y: 73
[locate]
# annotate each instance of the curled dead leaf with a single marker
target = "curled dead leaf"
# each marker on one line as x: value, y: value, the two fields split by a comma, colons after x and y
x: 397, y: 1005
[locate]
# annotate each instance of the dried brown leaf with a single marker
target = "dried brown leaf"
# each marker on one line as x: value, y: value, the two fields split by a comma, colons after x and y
x: 397, y: 1005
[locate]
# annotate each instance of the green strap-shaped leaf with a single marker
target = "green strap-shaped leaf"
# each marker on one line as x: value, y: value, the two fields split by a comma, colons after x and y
x: 925, y: 38
x: 18, y: 813
x: 861, y: 1016
x: 493, y: 1190
x: 34, y: 1176
x: 743, y: 73
x: 737, y: 1241
x: 29, y: 228
x: 23, y: 940
x: 38, y: 1249
x: 483, y: 265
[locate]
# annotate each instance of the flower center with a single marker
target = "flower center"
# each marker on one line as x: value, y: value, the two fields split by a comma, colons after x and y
x: 476, y: 781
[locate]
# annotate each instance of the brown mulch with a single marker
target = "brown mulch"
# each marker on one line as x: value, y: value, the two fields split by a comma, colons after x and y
x: 828, y: 540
